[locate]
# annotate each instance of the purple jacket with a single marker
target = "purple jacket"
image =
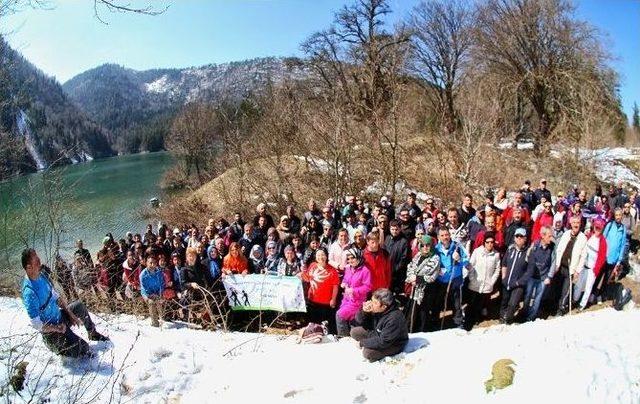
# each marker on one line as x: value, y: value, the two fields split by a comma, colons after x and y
x: 358, y: 279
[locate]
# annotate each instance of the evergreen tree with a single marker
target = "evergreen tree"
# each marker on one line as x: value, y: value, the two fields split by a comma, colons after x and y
x: 636, y: 118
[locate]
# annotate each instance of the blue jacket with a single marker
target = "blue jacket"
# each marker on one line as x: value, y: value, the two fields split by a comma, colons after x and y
x: 616, y: 236
x: 151, y: 283
x: 39, y: 306
x: 540, y: 261
x: 450, y: 270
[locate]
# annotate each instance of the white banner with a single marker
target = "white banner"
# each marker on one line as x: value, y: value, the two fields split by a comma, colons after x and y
x: 265, y: 292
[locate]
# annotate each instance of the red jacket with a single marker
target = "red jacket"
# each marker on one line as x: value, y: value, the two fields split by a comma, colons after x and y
x: 131, y: 275
x: 169, y: 291
x: 545, y: 219
x: 499, y: 240
x: 507, y: 215
x: 379, y: 266
x: 601, y: 259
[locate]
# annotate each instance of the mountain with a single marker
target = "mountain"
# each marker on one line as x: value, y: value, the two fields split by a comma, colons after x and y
x: 45, y: 127
x: 138, y: 106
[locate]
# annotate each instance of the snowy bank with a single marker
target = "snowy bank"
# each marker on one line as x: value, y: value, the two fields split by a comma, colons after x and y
x: 592, y: 357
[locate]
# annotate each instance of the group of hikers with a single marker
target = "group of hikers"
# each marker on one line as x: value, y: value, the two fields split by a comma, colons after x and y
x: 376, y: 271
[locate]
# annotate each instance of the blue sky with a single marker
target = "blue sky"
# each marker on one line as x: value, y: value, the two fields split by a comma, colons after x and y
x: 68, y: 40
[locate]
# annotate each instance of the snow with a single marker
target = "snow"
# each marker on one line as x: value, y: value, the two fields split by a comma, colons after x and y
x: 588, y: 358
x: 609, y: 164
x: 318, y: 164
x: 159, y: 86
x: 519, y: 145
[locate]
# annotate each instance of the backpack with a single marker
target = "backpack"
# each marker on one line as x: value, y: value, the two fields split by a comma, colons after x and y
x: 313, y: 333
x: 622, y: 297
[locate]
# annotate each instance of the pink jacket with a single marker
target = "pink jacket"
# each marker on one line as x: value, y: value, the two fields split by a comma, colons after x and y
x: 358, y: 279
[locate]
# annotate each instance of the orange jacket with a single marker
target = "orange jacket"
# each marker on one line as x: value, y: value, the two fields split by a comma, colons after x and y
x: 237, y: 265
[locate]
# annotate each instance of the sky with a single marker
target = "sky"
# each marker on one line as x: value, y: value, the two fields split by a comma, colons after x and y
x: 67, y: 39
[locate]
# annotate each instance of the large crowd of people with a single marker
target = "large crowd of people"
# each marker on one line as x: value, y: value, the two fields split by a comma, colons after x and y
x: 515, y: 256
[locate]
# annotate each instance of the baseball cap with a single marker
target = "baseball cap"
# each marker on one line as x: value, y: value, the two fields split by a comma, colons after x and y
x: 521, y: 232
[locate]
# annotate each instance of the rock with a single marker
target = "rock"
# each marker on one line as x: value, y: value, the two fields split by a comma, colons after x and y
x: 502, y: 374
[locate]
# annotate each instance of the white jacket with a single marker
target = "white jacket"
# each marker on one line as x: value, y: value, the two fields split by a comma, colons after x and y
x: 484, y: 270
x: 578, y: 255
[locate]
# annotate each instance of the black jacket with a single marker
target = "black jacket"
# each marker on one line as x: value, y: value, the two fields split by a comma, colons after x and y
x: 399, y: 253
x: 189, y: 274
x: 386, y: 329
x: 516, y: 263
x: 509, y: 232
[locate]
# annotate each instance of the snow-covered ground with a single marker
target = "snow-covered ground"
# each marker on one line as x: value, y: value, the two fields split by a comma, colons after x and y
x: 592, y: 357
x: 609, y: 164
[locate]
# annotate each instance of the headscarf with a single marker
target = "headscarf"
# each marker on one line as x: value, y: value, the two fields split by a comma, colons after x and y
x: 427, y: 240
x: 274, y: 245
x: 214, y: 264
x: 254, y: 249
x: 357, y: 253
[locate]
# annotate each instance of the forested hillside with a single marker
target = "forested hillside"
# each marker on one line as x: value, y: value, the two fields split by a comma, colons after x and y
x: 39, y: 122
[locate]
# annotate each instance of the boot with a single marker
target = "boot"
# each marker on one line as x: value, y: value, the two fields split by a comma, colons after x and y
x: 96, y: 336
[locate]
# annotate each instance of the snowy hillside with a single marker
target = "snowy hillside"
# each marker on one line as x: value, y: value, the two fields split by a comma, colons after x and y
x: 592, y: 357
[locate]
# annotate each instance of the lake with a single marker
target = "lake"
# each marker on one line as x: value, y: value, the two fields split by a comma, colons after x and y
x: 105, y: 195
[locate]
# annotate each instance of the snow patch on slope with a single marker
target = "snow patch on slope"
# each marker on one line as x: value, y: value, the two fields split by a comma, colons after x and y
x: 158, y: 86
x: 609, y: 164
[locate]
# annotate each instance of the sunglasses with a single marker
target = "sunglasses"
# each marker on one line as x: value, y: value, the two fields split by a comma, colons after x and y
x: 519, y: 236
x: 489, y: 242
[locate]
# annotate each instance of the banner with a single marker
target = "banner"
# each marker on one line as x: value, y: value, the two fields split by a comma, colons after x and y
x: 265, y: 292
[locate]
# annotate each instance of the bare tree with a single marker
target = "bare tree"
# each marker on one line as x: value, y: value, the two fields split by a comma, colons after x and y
x: 356, y: 63
x: 441, y: 41
x: 193, y: 139
x: 537, y: 48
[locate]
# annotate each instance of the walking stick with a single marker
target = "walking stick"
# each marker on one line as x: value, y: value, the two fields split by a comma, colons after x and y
x: 570, y: 290
x: 446, y: 299
x: 413, y: 307
x: 446, y: 295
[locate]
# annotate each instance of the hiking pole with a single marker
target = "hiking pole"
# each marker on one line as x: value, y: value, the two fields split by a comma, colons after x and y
x: 413, y: 307
x: 446, y: 299
x: 570, y: 290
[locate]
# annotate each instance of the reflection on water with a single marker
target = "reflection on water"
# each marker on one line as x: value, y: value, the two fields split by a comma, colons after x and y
x: 107, y: 196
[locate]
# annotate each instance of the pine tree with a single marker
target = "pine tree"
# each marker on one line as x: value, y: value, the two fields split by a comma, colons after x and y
x: 636, y: 118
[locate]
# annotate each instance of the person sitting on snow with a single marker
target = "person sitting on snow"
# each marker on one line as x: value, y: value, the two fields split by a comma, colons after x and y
x: 51, y: 315
x: 381, y: 327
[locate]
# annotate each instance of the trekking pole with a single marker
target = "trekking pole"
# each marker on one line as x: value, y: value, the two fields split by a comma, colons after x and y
x: 570, y: 290
x: 446, y: 299
x: 413, y: 307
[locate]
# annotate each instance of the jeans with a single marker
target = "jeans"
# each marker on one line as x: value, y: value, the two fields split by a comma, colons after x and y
x: 535, y: 290
x: 68, y: 343
x: 343, y: 326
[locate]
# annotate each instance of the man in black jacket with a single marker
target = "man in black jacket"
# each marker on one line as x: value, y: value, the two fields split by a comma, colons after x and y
x: 382, y: 328
x: 399, y: 251
x: 514, y: 276
x: 516, y: 223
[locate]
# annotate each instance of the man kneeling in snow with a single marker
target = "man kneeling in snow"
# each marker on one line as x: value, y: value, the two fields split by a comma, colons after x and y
x: 50, y: 314
x: 382, y: 328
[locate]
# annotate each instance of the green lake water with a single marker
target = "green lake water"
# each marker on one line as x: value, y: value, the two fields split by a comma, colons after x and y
x: 106, y: 196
